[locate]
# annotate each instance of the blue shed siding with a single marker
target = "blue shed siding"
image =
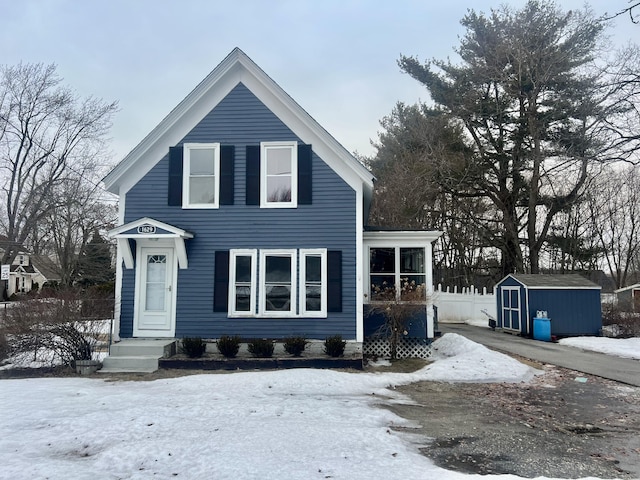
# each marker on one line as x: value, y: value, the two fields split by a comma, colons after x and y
x: 572, y: 312
x: 330, y: 222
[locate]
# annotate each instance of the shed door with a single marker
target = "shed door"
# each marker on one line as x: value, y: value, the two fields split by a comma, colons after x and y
x: 511, y: 308
x: 636, y: 300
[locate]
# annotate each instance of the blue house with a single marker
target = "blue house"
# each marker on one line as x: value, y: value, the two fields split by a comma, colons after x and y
x: 239, y: 214
x: 571, y: 301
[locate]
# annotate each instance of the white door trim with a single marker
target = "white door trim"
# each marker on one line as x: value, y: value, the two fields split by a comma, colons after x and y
x: 510, y: 308
x: 142, y: 248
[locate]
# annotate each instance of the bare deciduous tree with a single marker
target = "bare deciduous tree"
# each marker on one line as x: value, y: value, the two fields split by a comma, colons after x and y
x: 615, y: 216
x: 46, y: 132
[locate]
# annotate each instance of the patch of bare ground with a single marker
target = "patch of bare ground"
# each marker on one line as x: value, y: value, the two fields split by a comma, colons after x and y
x: 562, y: 424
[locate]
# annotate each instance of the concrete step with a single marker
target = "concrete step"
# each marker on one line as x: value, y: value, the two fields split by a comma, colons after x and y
x: 129, y: 363
x: 157, y: 348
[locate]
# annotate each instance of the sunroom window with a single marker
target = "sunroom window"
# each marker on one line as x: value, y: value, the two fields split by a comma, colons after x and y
x: 201, y: 175
x: 279, y: 174
x: 397, y: 274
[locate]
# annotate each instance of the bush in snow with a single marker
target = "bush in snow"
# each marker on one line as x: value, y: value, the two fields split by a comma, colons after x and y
x: 69, y: 326
x: 229, y: 346
x: 627, y: 324
x: 193, y: 347
x: 334, y: 346
x: 295, y: 345
x: 261, y: 347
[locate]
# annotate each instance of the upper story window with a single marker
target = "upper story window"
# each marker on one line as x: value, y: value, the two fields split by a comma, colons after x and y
x: 397, y: 273
x: 279, y: 174
x: 201, y: 175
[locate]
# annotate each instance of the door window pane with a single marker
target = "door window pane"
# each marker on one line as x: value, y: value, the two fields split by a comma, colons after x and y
x: 156, y: 282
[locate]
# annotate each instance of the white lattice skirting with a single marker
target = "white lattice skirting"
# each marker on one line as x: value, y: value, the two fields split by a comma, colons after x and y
x: 407, y: 347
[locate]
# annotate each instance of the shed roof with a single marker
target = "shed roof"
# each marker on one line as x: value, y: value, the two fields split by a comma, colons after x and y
x: 571, y: 280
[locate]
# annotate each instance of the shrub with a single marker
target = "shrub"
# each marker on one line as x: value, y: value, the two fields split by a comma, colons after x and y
x: 295, y: 345
x: 193, y: 347
x: 229, y: 346
x: 334, y: 346
x: 58, y: 330
x: 261, y: 347
x: 627, y: 323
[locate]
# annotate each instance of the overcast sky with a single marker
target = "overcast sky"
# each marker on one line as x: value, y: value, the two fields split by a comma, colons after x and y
x: 336, y: 58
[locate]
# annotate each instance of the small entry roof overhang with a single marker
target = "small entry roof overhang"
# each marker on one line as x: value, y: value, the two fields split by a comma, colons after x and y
x: 148, y: 228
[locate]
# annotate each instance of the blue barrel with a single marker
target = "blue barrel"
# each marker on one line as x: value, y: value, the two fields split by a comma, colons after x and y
x: 542, y: 329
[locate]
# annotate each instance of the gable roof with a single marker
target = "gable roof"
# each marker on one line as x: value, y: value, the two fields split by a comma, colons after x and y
x: 236, y: 68
x: 635, y: 286
x: 571, y: 280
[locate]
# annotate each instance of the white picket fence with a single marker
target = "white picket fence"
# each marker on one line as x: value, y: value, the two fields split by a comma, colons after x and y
x: 466, y: 305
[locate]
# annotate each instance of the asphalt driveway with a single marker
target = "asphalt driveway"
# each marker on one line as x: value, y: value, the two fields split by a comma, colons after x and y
x: 622, y: 370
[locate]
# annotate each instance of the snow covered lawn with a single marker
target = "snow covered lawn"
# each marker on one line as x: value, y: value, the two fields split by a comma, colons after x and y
x: 295, y: 424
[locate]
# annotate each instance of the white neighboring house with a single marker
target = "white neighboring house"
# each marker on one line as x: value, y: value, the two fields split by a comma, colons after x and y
x: 28, y: 271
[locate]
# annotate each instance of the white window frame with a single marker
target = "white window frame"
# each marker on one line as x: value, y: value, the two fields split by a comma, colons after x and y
x: 313, y: 252
x: 292, y: 253
x: 233, y: 254
x: 397, y: 273
x: 186, y: 174
x: 264, y: 148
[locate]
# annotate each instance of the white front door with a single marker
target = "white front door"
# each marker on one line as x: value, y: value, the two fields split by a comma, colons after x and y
x: 155, y: 293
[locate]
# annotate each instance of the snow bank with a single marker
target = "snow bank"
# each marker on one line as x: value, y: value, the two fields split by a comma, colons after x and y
x: 620, y: 347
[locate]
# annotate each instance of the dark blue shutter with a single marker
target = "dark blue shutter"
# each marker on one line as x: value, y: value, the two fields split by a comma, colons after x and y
x: 305, y: 185
x: 174, y: 197
x: 253, y: 175
x: 334, y: 281
x: 221, y: 282
x: 227, y: 161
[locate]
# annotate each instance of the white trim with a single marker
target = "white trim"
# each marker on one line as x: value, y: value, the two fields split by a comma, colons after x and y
x: 511, y: 288
x: 292, y: 253
x: 360, y: 264
x: 264, y: 200
x: 186, y: 174
x: 231, y: 311
x: 235, y: 68
x: 313, y: 252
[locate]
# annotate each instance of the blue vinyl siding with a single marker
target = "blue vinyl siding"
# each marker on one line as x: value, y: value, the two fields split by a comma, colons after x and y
x: 330, y: 222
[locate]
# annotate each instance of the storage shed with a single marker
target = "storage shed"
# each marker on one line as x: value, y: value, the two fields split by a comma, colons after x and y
x: 571, y: 302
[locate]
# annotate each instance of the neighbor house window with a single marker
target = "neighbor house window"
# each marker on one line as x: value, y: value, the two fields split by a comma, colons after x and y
x: 242, y: 282
x: 277, y: 282
x: 279, y: 174
x: 313, y: 282
x: 397, y: 273
x: 201, y: 175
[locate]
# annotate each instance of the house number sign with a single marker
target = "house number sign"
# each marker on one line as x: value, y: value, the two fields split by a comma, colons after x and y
x: 147, y: 228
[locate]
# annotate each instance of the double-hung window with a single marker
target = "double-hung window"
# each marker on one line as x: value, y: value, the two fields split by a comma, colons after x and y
x: 313, y: 282
x: 265, y: 283
x: 201, y: 175
x: 277, y: 282
x: 279, y: 174
x: 242, y: 282
x: 397, y: 274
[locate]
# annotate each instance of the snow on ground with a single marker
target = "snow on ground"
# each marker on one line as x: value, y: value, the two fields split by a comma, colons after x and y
x: 293, y: 424
x: 620, y: 347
